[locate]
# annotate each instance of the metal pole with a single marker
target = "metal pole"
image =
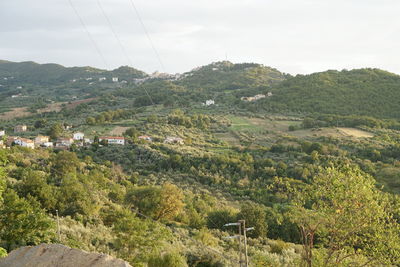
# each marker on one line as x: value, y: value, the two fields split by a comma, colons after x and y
x: 58, y: 227
x: 240, y: 243
x: 245, y: 244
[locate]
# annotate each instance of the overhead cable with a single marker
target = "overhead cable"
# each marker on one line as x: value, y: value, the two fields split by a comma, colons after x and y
x: 88, y: 34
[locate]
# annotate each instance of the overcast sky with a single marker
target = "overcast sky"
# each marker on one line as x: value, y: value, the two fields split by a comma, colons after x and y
x: 294, y: 36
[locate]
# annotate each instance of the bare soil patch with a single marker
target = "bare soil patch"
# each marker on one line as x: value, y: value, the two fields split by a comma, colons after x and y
x: 15, y: 113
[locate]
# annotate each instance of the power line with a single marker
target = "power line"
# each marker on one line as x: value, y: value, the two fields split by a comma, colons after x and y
x: 120, y: 44
x: 88, y: 34
x: 115, y: 34
x: 147, y: 34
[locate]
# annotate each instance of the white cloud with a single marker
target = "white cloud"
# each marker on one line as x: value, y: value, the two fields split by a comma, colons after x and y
x: 295, y: 36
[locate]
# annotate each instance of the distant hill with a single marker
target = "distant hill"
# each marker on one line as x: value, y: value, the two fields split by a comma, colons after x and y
x: 370, y: 92
x: 221, y: 76
x: 34, y: 73
x: 32, y: 82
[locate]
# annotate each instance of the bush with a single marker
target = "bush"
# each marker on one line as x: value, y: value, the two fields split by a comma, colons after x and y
x: 278, y: 246
x: 172, y: 259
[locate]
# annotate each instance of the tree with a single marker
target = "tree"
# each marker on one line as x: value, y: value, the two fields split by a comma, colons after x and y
x: 56, y: 130
x: 255, y: 216
x: 217, y: 219
x: 40, y: 123
x: 90, y: 121
x: 65, y: 162
x: 34, y: 183
x: 75, y: 197
x: 349, y: 215
x: 136, y: 238
x: 132, y: 133
x: 161, y: 203
x: 23, y: 222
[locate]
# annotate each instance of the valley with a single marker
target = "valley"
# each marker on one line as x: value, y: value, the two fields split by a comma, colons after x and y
x: 157, y: 165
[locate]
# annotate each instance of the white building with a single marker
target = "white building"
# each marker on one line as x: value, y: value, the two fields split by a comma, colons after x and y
x: 115, y: 79
x: 113, y: 140
x: 24, y: 142
x: 78, y: 136
x: 252, y: 98
x: 88, y: 141
x: 2, y: 132
x: 20, y: 128
x: 210, y: 102
x: 40, y: 139
x: 102, y: 79
x: 47, y: 144
x: 64, y: 142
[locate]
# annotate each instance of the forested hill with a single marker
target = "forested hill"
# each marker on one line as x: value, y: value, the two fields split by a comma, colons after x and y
x: 50, y: 74
x: 370, y: 92
x: 224, y: 75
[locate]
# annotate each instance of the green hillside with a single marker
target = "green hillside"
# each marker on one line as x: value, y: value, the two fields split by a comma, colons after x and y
x: 319, y: 190
x: 225, y: 75
x: 34, y: 84
x: 34, y: 73
x: 370, y: 92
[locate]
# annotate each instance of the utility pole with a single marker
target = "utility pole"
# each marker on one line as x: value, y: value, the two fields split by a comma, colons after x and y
x: 241, y: 225
x: 238, y: 237
x: 58, y: 227
x: 240, y: 243
x: 246, y: 258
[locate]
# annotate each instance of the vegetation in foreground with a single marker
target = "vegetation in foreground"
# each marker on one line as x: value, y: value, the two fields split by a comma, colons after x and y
x: 316, y: 194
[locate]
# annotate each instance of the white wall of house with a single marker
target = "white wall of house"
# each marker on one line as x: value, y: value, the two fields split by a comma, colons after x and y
x: 79, y: 136
x: 25, y: 143
x: 114, y: 141
x: 210, y: 102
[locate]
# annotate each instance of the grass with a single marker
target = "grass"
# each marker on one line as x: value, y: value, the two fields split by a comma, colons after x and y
x: 258, y: 125
x: 243, y: 124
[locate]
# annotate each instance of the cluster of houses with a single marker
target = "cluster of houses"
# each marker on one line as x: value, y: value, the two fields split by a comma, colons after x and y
x: 101, y: 79
x: 160, y: 75
x: 256, y: 97
x: 77, y: 138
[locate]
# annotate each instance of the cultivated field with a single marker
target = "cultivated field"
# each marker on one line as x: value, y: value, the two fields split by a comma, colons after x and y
x: 119, y: 130
x: 356, y: 133
x: 260, y: 125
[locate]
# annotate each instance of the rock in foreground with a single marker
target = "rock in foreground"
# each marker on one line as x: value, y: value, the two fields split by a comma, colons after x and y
x: 49, y: 255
